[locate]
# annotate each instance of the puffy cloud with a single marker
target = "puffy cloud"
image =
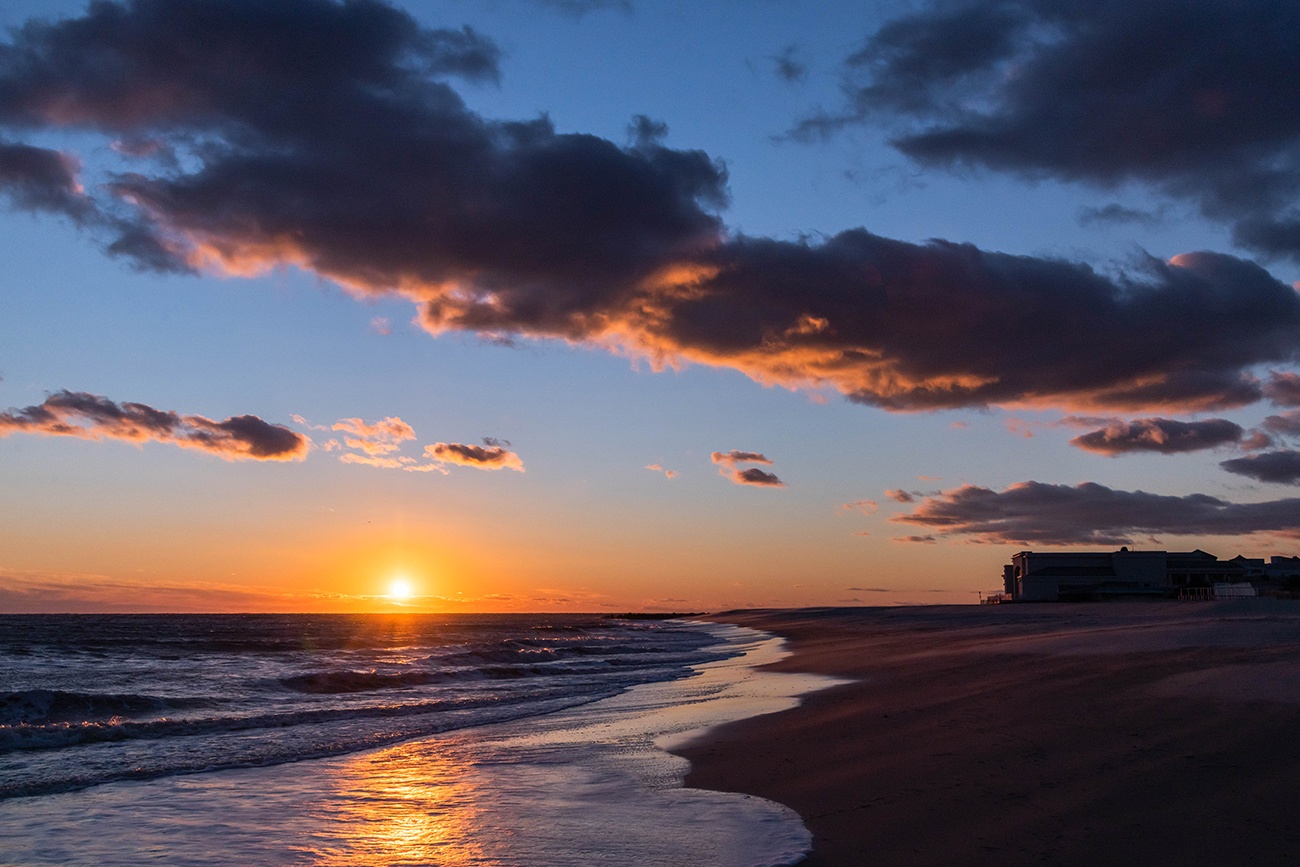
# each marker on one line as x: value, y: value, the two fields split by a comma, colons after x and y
x: 1089, y: 513
x: 369, y: 169
x: 898, y: 495
x: 484, y: 457
x: 1163, y: 435
x: 1194, y: 98
x: 729, y: 468
x: 92, y: 417
x: 1280, y: 467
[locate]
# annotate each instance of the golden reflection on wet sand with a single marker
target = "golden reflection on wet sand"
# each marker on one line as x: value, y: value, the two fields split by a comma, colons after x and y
x: 411, y: 804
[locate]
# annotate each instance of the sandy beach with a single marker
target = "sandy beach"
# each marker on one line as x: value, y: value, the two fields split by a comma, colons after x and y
x: 1032, y: 734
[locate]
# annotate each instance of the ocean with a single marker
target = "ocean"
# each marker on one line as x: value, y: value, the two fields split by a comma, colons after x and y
x: 377, y: 739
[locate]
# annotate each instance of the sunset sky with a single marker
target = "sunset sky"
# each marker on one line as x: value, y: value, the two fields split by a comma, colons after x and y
x: 594, y: 305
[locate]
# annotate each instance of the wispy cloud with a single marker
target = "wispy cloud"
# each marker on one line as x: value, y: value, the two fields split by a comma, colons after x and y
x: 93, y: 417
x: 671, y: 474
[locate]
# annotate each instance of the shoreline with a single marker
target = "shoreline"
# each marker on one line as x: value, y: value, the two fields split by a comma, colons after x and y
x: 1060, y: 734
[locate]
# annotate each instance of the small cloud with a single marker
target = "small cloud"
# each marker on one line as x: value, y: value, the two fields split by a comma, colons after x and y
x: 671, y: 474
x: 1117, y: 215
x: 1280, y: 467
x: 93, y: 417
x: 729, y: 468
x: 755, y: 476
x: 866, y: 507
x: 381, y: 325
x: 1287, y: 424
x: 919, y: 540
x: 1020, y: 427
x: 958, y: 425
x: 1283, y: 388
x: 375, y: 438
x: 484, y: 457
x: 735, y: 456
x: 788, y: 67
x: 898, y: 495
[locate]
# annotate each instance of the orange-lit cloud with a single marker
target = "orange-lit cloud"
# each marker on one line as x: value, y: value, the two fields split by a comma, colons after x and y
x: 671, y: 474
x: 514, y: 230
x: 92, y: 417
x: 866, y: 507
x: 375, y: 438
x: 485, y: 457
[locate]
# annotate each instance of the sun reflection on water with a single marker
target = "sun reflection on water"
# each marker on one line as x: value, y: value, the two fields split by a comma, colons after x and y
x: 412, y: 804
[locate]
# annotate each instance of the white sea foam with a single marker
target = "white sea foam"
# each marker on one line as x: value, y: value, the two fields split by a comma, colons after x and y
x: 587, y: 785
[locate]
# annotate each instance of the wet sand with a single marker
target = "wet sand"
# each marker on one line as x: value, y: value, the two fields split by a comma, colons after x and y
x: 1032, y: 734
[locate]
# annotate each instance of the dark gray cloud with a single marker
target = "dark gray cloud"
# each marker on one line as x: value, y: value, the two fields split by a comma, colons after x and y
x: 1164, y: 435
x: 755, y: 476
x: 37, y: 179
x: 328, y: 136
x: 324, y: 134
x: 1283, y: 388
x: 1280, y: 467
x: 1197, y: 99
x: 92, y: 417
x: 1035, y: 513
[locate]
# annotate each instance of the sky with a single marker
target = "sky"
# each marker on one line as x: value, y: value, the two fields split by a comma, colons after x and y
x: 590, y: 305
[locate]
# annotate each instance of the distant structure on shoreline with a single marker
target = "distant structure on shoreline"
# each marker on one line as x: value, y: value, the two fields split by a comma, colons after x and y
x: 1065, y: 576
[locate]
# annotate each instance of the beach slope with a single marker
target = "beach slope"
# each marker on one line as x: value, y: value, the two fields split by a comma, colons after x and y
x: 1031, y: 734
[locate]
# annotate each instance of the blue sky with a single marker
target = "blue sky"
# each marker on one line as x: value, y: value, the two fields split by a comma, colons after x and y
x: 92, y: 521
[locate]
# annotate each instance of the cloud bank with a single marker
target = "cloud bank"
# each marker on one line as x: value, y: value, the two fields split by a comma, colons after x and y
x: 1035, y: 513
x: 329, y: 136
x: 1195, y: 99
x: 92, y: 417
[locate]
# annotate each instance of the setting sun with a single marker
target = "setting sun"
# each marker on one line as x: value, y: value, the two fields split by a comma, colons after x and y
x: 400, y: 589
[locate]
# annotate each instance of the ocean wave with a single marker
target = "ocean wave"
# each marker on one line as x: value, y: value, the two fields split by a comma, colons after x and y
x: 46, y: 706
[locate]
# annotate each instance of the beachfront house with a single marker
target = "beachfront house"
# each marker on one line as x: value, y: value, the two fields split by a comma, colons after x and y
x: 1061, y: 576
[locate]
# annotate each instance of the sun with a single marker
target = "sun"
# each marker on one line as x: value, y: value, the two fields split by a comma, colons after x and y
x: 400, y: 589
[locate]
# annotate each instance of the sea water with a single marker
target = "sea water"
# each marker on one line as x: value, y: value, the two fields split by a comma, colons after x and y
x: 377, y: 740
